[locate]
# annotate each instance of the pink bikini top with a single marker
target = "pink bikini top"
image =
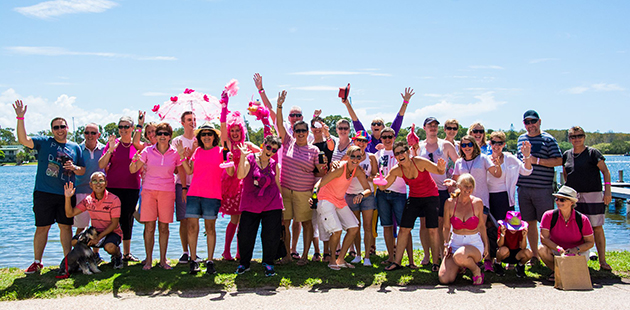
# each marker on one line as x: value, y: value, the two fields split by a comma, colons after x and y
x: 471, y: 223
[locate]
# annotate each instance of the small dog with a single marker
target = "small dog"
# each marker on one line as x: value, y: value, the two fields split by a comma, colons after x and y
x: 81, y: 257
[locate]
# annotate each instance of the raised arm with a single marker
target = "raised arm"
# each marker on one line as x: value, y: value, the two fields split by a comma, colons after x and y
x: 224, y: 112
x: 281, y: 130
x: 136, y: 164
x: 243, y: 164
x: 259, y: 85
x: 111, y: 146
x: 397, y: 123
x: 68, y: 191
x: 137, y: 133
x: 23, y: 138
x: 186, y: 164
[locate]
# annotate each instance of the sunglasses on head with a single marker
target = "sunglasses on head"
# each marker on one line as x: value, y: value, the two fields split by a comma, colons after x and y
x: 377, y: 124
x: 162, y: 133
x: 57, y: 127
x: 530, y: 121
x: 496, y: 142
x: 450, y: 128
x: 579, y: 136
x: 93, y: 133
x: 387, y: 137
x: 124, y: 126
x: 269, y: 148
x: 469, y: 144
x: 561, y: 199
x: 206, y: 134
x: 295, y: 115
x: 301, y: 131
x: 478, y: 131
x: 401, y: 152
x: 95, y: 182
x: 343, y: 128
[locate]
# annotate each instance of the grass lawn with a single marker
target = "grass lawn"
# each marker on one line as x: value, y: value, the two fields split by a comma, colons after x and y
x: 15, y: 285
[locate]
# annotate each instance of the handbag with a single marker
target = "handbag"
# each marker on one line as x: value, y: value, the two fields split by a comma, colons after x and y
x: 571, y: 273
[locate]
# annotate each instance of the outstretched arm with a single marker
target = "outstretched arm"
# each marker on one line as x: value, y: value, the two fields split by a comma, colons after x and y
x: 259, y: 85
x: 68, y: 191
x: 281, y: 130
x: 23, y: 138
x: 397, y: 123
x: 137, y: 133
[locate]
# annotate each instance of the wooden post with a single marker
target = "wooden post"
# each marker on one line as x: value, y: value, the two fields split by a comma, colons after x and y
x: 620, y: 176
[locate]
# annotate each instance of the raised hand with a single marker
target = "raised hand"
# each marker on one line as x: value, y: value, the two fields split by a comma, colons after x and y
x: 111, y: 140
x: 244, y: 150
x: 224, y: 98
x: 496, y: 160
x: 136, y: 156
x: 258, y: 81
x: 317, y: 113
x: 441, y: 164
x: 180, y: 148
x: 20, y: 108
x: 503, y: 229
x: 526, y: 148
x: 408, y: 93
x: 68, y: 189
x: 141, y: 117
x: 281, y: 97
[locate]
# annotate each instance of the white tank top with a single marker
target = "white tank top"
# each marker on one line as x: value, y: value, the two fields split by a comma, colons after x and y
x: 387, y: 161
x: 437, y: 154
x: 355, y: 186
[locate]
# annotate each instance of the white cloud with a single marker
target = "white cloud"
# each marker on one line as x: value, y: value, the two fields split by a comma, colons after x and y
x: 60, y: 51
x: 594, y: 87
x: 486, y: 67
x: 539, y: 60
x: 48, y: 9
x: 340, y: 73
x: 316, y: 88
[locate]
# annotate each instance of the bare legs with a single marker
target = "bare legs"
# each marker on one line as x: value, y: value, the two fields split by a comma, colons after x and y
x: 149, y: 241
x: 600, y: 243
x: 466, y: 256
x: 532, y: 237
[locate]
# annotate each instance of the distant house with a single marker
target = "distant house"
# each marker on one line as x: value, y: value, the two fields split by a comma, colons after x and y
x: 10, y: 151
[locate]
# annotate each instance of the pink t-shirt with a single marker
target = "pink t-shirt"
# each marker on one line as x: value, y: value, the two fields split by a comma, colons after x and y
x: 206, y: 181
x: 298, y: 165
x: 566, y: 234
x: 118, y: 175
x: 102, y: 211
x: 159, y: 168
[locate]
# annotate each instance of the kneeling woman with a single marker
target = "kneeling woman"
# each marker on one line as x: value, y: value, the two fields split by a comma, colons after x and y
x: 332, y: 210
x: 469, y: 242
x: 260, y: 203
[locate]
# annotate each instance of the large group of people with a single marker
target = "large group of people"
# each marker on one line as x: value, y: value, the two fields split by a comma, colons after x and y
x: 462, y: 191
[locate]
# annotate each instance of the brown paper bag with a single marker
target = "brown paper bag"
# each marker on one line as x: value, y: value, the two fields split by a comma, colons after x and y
x: 571, y: 273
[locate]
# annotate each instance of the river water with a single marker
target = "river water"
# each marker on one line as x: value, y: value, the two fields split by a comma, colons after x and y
x: 17, y: 229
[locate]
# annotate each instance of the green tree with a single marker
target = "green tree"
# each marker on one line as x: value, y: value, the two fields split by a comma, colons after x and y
x: 2, y: 156
x: 109, y: 129
x: 564, y: 146
x: 20, y: 157
x: 7, y: 137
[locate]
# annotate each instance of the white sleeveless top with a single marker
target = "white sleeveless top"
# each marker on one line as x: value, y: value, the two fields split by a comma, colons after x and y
x: 437, y: 154
x: 355, y: 186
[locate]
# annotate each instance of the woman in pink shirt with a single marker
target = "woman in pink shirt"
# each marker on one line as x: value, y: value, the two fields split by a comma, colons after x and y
x: 332, y: 210
x: 158, y: 191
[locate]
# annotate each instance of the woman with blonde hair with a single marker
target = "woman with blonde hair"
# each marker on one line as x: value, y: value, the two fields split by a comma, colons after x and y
x: 479, y: 133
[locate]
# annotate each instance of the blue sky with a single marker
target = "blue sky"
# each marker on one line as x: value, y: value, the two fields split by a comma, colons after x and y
x: 488, y: 61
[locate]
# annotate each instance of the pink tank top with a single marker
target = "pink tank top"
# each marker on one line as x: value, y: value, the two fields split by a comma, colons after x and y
x: 421, y: 186
x: 470, y: 223
x: 335, y: 191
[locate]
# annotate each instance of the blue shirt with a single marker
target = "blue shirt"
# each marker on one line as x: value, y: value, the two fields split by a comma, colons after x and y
x: 544, y: 146
x: 51, y: 155
x: 90, y: 159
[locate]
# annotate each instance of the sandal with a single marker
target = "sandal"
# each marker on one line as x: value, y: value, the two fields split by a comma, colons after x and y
x: 316, y: 257
x: 353, y: 254
x: 346, y: 265
x: 393, y: 266
x: 147, y: 267
x: 302, y: 262
x: 165, y: 266
x: 295, y: 255
x: 435, y: 268
x: 326, y: 257
x: 425, y: 261
x: 334, y: 267
x: 605, y: 267
x: 552, y: 277
x: 412, y: 266
x: 478, y: 280
x: 386, y: 262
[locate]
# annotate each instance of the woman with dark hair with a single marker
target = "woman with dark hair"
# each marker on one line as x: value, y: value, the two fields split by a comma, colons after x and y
x: 158, y: 191
x: 117, y: 156
x: 261, y: 203
x: 204, y: 192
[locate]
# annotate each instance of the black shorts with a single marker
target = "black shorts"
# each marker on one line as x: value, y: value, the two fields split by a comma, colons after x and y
x: 444, y: 196
x: 50, y: 208
x: 500, y: 205
x: 426, y: 207
x: 112, y: 237
x: 512, y: 258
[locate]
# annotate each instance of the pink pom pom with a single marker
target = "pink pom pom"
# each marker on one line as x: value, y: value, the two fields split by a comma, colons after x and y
x: 188, y: 91
x: 232, y: 87
x: 412, y: 138
x: 155, y: 108
x: 205, y: 97
x: 174, y: 99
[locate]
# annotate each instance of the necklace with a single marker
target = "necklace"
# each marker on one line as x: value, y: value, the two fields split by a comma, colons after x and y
x: 128, y: 144
x: 578, y: 155
x: 471, y: 165
x: 260, y: 163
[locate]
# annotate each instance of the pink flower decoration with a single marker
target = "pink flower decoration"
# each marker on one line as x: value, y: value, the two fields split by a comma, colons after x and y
x: 205, y: 97
x: 155, y: 108
x: 189, y: 91
x: 174, y: 99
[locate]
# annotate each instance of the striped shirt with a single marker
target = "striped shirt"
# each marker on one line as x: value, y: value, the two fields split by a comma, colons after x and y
x: 298, y: 165
x: 102, y: 211
x: 544, y: 146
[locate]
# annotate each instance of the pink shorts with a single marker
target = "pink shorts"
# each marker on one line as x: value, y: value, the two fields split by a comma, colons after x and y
x: 157, y: 205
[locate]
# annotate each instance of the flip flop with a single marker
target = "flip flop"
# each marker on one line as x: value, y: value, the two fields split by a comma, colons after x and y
x: 435, y: 268
x: 302, y: 262
x: 165, y: 267
x: 477, y: 278
x: 347, y: 265
x: 147, y: 267
x: 334, y: 267
x: 316, y: 257
x: 386, y: 262
x: 295, y: 255
x: 396, y: 266
x: 605, y: 267
x: 412, y: 266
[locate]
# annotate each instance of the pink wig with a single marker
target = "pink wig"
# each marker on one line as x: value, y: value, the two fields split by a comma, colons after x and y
x: 236, y: 119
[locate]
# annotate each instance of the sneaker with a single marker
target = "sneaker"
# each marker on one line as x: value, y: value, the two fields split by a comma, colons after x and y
x: 269, y: 270
x: 356, y: 259
x: 210, y: 268
x: 130, y: 258
x: 184, y: 259
x: 487, y: 265
x: 241, y: 269
x: 520, y: 270
x: 194, y: 267
x: 117, y: 262
x: 33, y: 268
x: 498, y: 269
x: 367, y: 262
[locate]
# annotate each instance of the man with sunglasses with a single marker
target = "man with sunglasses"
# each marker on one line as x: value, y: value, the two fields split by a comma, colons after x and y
x: 535, y: 190
x: 58, y: 160
x: 378, y: 124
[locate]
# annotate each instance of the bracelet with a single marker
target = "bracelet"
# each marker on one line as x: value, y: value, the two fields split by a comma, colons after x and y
x: 134, y: 160
x: 607, y: 183
x: 20, y: 117
x: 262, y: 90
x: 405, y: 102
x: 139, y: 130
x: 527, y: 157
x: 537, y: 160
x: 184, y: 187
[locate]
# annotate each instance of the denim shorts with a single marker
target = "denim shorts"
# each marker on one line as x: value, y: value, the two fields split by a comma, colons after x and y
x: 368, y: 203
x: 388, y: 203
x: 197, y: 207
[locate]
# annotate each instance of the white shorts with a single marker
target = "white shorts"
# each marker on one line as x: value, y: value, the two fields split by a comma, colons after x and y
x: 333, y: 219
x: 82, y: 220
x: 458, y: 241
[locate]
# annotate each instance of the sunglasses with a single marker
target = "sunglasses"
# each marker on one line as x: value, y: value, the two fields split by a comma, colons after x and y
x: 478, y: 131
x: 377, y: 124
x: 124, y: 126
x: 93, y: 133
x: 580, y: 136
x: 387, y: 137
x: 529, y: 122
x: 450, y: 128
x: 95, y: 182
x: 561, y: 199
x: 162, y: 133
x: 496, y: 142
x: 401, y: 152
x: 469, y: 144
x: 343, y: 128
x: 355, y: 156
x: 57, y: 127
x: 431, y: 157
x: 300, y: 131
x: 295, y: 115
x: 207, y: 134
x: 360, y: 140
x: 269, y: 148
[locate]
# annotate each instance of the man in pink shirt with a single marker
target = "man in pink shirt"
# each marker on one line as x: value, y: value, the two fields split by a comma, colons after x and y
x: 104, y: 210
